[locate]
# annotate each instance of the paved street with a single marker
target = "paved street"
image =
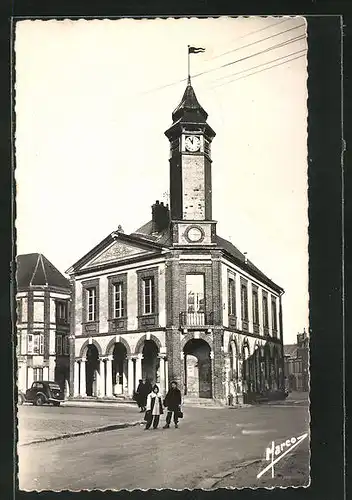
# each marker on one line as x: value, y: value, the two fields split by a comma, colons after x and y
x: 47, y: 422
x: 209, y: 442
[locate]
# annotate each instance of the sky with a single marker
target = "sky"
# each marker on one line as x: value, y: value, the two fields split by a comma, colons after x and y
x: 93, y: 99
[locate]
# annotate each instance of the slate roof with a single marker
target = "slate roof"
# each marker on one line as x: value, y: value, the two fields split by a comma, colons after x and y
x: 164, y: 238
x: 189, y: 105
x: 191, y: 112
x: 34, y: 269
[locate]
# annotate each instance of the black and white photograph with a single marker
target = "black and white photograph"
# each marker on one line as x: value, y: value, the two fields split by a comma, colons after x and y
x: 162, y: 319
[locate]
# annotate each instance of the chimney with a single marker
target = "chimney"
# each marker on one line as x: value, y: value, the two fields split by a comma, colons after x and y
x: 245, y: 257
x: 160, y: 217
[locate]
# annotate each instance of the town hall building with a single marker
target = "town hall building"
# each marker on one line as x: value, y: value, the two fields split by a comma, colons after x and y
x: 174, y: 300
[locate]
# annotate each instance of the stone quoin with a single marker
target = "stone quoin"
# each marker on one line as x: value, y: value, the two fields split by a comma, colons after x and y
x: 174, y: 300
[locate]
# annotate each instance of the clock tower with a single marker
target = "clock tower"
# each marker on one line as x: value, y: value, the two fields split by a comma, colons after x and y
x: 190, y: 139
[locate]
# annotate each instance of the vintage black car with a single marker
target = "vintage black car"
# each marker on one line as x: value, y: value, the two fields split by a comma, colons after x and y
x: 20, y: 398
x: 44, y: 392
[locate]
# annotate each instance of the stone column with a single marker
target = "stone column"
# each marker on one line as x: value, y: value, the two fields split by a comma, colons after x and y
x: 82, y: 388
x: 109, y: 376
x: 212, y: 374
x: 162, y: 374
x: 166, y: 375
x: 101, y: 387
x: 138, y: 369
x: 130, y: 370
x: 76, y: 378
x: 124, y: 377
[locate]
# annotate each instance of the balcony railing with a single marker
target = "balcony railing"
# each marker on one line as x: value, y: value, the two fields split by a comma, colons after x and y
x: 196, y: 319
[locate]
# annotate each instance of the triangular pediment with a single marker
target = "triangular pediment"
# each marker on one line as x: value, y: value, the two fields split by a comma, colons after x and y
x: 116, y: 251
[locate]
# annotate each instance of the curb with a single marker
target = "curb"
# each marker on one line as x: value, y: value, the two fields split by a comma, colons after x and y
x: 111, y: 427
x: 96, y: 404
x: 210, y: 482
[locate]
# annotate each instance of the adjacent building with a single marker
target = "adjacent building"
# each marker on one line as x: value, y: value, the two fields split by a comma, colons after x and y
x: 42, y: 324
x: 297, y: 363
x: 174, y: 300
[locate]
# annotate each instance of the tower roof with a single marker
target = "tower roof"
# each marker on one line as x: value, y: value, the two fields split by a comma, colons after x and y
x: 189, y: 108
x: 36, y: 270
x: 189, y: 112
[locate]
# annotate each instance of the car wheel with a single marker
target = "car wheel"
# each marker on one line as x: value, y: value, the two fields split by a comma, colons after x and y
x: 56, y: 403
x: 39, y: 400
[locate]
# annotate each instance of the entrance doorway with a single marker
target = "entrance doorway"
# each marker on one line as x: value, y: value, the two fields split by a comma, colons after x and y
x: 197, y: 369
x: 91, y: 370
x: 119, y: 369
x: 150, y: 361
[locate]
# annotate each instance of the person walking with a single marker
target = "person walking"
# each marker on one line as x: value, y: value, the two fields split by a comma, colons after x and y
x: 154, y: 409
x: 141, y: 396
x: 173, y: 403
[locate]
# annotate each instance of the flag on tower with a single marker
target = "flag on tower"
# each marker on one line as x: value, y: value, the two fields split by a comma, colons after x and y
x: 195, y: 50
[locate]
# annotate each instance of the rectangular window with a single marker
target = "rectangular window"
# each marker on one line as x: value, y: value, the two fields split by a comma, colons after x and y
x: 255, y: 307
x: 92, y: 304
x: 19, y: 310
x: 195, y: 293
x: 62, y: 310
x: 244, y: 302
x: 265, y: 312
x: 148, y: 295
x: 66, y: 345
x: 38, y: 312
x: 18, y: 347
x: 119, y: 309
x: 58, y: 347
x: 35, y: 343
x: 37, y: 374
x: 274, y: 314
x: 232, y: 297
x: 24, y: 315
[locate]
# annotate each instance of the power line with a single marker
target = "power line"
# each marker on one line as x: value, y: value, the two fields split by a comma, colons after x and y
x: 260, y: 65
x: 282, y: 44
x: 256, y: 72
x: 259, y: 41
x: 274, y: 47
x: 251, y: 33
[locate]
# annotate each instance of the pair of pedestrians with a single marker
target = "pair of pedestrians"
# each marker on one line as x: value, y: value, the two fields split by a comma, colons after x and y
x: 155, y: 407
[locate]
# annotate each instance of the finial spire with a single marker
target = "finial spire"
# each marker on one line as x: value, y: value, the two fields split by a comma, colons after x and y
x: 192, y: 50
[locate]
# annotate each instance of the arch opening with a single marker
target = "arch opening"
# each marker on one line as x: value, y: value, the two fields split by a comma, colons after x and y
x: 150, y: 362
x: 119, y: 369
x: 197, y: 369
x: 92, y: 369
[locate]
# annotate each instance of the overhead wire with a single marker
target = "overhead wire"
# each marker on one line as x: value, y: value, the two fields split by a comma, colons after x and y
x: 282, y: 44
x: 268, y: 49
x: 256, y: 72
x: 252, y: 33
x: 259, y: 41
x: 259, y: 65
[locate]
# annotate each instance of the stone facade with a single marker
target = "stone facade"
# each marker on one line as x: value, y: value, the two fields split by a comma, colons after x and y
x: 42, y: 322
x: 174, y: 301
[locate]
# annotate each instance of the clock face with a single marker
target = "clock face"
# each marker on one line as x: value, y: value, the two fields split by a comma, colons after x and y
x: 194, y: 234
x: 192, y: 143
